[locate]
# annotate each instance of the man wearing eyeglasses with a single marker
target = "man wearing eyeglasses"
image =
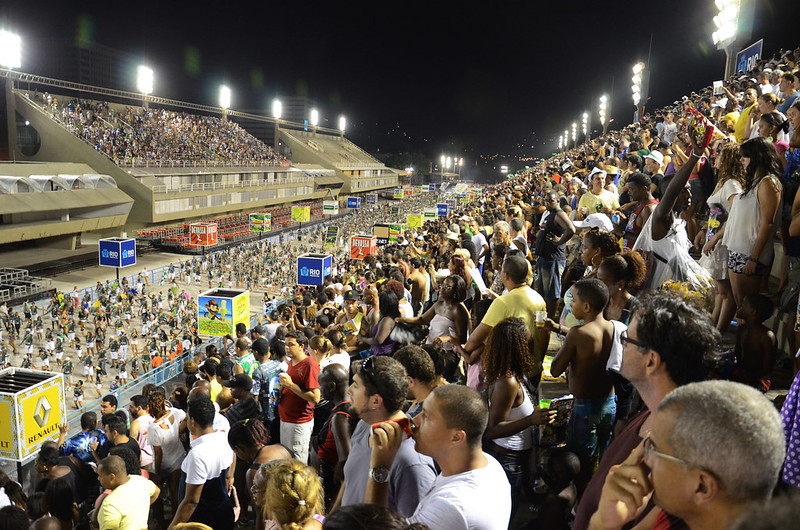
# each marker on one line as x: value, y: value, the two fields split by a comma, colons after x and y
x: 713, y: 454
x: 664, y: 347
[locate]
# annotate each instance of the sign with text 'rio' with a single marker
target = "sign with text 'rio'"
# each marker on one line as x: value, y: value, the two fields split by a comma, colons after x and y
x: 312, y: 268
x: 746, y: 59
x: 117, y: 252
x: 353, y: 203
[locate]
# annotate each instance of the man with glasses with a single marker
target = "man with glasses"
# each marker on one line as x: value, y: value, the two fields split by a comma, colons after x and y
x: 299, y: 394
x: 378, y: 392
x: 713, y: 454
x: 665, y: 346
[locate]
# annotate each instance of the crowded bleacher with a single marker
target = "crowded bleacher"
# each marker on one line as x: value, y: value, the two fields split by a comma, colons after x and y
x: 135, y: 136
x: 656, y: 266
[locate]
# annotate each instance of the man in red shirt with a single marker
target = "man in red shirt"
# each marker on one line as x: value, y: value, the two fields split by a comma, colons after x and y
x: 299, y: 394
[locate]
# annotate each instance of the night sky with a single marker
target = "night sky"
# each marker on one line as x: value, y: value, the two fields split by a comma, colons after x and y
x: 464, y: 78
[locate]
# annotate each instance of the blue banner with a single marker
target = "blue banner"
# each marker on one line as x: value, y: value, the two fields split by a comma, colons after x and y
x: 442, y: 209
x: 312, y: 269
x: 354, y: 203
x: 746, y: 59
x: 117, y: 252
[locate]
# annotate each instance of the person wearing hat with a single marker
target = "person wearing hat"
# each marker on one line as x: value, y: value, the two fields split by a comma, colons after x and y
x: 653, y: 162
x: 597, y: 199
x: 245, y: 406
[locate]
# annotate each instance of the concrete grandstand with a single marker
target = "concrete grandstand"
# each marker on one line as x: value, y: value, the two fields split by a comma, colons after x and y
x: 109, y: 162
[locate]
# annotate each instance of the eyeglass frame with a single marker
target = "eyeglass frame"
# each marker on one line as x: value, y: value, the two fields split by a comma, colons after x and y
x: 648, y: 446
x: 624, y: 338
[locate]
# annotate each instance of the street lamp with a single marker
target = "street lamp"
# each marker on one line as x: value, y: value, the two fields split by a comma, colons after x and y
x: 727, y: 24
x: 602, y: 112
x: 10, y: 50
x: 277, y: 109
x: 144, y: 82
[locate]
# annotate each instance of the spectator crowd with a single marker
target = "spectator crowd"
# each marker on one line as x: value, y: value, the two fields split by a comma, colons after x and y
x: 651, y: 265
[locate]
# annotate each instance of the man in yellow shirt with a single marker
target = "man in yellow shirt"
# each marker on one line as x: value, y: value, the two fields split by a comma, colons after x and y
x: 598, y: 199
x: 520, y: 301
x: 127, y: 507
x: 750, y: 97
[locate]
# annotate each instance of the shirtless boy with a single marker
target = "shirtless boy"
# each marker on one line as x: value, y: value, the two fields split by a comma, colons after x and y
x: 585, y: 352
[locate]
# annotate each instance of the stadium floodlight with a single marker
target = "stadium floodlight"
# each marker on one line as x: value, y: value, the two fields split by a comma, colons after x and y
x: 574, y: 131
x: 277, y: 109
x: 726, y: 22
x: 449, y: 162
x: 637, y: 68
x: 10, y: 50
x: 224, y: 97
x: 461, y: 161
x: 144, y: 79
x: 342, y: 123
x: 314, y: 119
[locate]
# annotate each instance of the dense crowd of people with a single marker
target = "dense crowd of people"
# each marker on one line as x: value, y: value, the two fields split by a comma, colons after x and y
x: 404, y: 392
x: 140, y: 135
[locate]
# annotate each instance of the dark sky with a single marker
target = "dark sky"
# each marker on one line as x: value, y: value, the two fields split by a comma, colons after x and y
x: 465, y: 78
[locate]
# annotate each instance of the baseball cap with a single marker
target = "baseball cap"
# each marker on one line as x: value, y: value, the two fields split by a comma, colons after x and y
x: 242, y: 381
x: 351, y: 294
x: 595, y: 220
x: 656, y: 156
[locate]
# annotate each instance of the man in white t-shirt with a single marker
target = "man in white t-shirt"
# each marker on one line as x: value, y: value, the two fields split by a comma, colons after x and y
x: 472, y: 490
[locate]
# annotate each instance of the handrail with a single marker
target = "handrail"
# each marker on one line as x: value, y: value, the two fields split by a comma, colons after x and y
x: 212, y: 186
x: 21, y: 77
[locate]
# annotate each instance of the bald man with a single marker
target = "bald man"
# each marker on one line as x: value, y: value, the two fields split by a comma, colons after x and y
x: 128, y: 504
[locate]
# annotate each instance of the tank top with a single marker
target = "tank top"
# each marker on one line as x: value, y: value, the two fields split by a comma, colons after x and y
x: 522, y: 440
x: 545, y: 249
x: 744, y: 222
x: 631, y: 227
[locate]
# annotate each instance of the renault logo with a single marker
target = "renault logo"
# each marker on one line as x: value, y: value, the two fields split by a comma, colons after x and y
x: 42, y: 411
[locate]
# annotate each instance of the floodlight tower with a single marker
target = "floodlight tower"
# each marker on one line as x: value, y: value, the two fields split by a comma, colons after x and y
x: 574, y: 135
x: 144, y: 82
x: 602, y: 112
x: 224, y: 101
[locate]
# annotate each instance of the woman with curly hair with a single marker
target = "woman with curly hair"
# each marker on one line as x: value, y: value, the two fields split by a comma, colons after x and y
x: 751, y: 226
x: 293, y: 496
x: 512, y: 413
x: 730, y: 176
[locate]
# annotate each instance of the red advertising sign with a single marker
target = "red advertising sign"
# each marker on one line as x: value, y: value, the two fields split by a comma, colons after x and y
x: 360, y: 246
x: 409, y: 192
x: 203, y: 234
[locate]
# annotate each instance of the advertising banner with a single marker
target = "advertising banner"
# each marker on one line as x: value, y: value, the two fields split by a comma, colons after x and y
x: 372, y: 198
x: 330, y: 207
x: 442, y: 209
x: 451, y: 204
x: 256, y: 222
x: 430, y: 213
x: 398, y: 193
x: 394, y: 233
x: 331, y: 236
x: 395, y: 211
x: 381, y: 233
x: 361, y: 246
x: 117, y: 252
x: 409, y: 192
x: 748, y: 57
x: 301, y: 214
x: 312, y: 268
x: 353, y: 203
x: 414, y: 221
x: 219, y: 310
x: 203, y: 234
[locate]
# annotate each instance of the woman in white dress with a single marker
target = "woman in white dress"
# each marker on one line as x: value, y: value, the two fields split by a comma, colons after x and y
x: 730, y: 176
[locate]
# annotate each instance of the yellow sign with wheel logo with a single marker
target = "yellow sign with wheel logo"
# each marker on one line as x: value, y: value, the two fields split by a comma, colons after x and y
x: 7, y: 449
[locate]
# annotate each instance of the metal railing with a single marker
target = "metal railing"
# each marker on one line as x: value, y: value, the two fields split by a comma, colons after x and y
x: 198, y: 163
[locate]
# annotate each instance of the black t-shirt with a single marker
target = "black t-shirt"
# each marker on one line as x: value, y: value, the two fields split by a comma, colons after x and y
x: 242, y: 410
x: 104, y: 450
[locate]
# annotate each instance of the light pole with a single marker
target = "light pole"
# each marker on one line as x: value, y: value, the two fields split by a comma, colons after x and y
x: 585, y: 126
x: 602, y: 112
x: 342, y: 124
x: 566, y: 140
x: 561, y: 142
x: 144, y: 82
x: 313, y: 119
x: 224, y: 101
x: 727, y: 23
x: 638, y: 91
x: 574, y: 135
